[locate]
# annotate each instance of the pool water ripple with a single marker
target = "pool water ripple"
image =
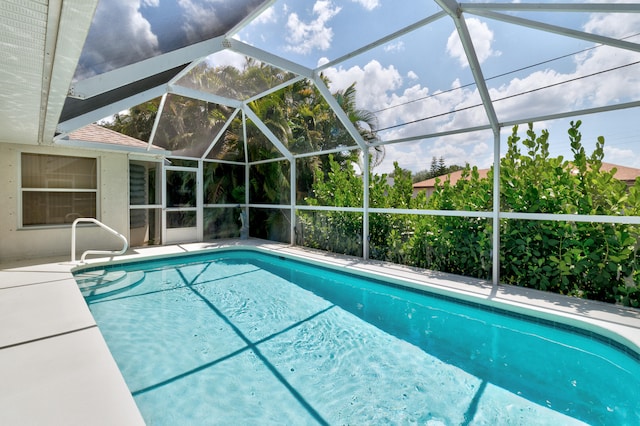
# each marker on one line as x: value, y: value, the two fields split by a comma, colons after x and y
x: 250, y: 339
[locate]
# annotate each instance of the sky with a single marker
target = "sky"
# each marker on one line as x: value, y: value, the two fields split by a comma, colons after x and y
x: 426, y: 73
x: 418, y: 78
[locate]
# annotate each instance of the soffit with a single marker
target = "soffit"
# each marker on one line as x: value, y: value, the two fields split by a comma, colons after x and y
x: 22, y: 50
x: 40, y: 44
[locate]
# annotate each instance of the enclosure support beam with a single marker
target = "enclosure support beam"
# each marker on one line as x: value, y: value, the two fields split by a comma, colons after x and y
x: 454, y: 10
x: 495, y: 246
x: 221, y: 132
x: 381, y: 41
x: 102, y: 83
x: 246, y: 173
x: 292, y: 212
x: 110, y: 109
x: 555, y: 29
x: 200, y: 200
x: 365, y: 204
x: 187, y: 92
x: 156, y: 122
x: 342, y: 116
x: 267, y: 132
x: 266, y: 57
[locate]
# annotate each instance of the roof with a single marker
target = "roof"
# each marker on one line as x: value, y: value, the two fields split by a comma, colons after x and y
x: 95, y: 133
x: 623, y: 173
x: 453, y: 178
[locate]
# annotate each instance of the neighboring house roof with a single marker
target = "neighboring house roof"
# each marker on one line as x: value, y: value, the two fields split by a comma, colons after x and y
x: 623, y: 173
x: 453, y: 177
x: 96, y: 133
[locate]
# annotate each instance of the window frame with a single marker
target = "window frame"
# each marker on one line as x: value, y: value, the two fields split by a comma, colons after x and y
x: 22, y: 190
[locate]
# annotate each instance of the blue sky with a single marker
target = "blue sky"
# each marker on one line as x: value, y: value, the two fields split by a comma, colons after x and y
x: 419, y: 75
x: 430, y: 61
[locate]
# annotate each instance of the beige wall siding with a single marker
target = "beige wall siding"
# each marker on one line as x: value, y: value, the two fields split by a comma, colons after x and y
x: 113, y: 207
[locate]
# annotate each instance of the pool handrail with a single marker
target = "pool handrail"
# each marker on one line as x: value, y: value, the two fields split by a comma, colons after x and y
x: 103, y: 226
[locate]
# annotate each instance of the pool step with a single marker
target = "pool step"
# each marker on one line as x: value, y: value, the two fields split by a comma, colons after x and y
x: 101, y: 283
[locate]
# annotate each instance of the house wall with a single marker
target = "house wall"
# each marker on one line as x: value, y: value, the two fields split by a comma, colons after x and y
x: 112, y: 209
x: 427, y: 190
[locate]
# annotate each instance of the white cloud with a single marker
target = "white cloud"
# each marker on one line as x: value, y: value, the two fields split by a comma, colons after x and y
x: 373, y: 83
x: 303, y: 37
x: 604, y: 87
x: 394, y: 47
x: 323, y: 60
x: 115, y: 22
x: 378, y: 89
x: 227, y: 58
x: 368, y: 4
x: 382, y: 86
x: 589, y: 85
x: 412, y: 156
x: 621, y: 156
x: 482, y: 38
x: 537, y: 103
x: 549, y: 91
x: 199, y: 18
x: 266, y: 17
x: 613, y: 24
x: 416, y: 156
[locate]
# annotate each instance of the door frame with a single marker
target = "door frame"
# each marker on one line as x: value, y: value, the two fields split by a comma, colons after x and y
x: 187, y: 234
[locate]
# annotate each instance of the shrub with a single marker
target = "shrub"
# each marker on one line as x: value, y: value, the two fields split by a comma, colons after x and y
x: 589, y: 260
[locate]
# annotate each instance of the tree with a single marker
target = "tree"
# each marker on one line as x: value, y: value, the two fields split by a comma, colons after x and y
x: 438, y: 168
x: 137, y: 122
x: 589, y: 260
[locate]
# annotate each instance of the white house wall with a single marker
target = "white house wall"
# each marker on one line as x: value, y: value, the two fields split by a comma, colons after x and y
x: 113, y: 203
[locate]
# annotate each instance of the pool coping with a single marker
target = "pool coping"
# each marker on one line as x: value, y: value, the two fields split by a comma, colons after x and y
x: 55, y: 363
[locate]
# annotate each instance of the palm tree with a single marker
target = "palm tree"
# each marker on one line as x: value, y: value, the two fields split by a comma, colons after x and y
x: 188, y: 126
x: 366, y: 122
x: 137, y: 122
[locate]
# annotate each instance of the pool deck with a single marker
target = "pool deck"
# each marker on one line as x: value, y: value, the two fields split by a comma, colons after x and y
x: 56, y: 369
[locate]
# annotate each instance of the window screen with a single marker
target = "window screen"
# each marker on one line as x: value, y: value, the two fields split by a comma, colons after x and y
x: 57, y: 189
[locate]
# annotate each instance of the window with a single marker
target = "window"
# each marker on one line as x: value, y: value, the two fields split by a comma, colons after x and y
x: 57, y: 189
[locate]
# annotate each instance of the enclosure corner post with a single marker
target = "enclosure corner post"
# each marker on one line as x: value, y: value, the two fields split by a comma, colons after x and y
x: 292, y: 185
x: 495, y: 252
x: 365, y: 203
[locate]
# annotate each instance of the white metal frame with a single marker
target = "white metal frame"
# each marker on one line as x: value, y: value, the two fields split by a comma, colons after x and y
x: 451, y: 8
x: 187, y: 234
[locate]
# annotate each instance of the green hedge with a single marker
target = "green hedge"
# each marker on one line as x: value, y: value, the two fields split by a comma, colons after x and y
x: 589, y: 260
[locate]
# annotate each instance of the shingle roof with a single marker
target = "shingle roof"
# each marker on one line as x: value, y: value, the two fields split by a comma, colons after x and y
x: 623, y: 173
x: 95, y: 133
x: 453, y: 177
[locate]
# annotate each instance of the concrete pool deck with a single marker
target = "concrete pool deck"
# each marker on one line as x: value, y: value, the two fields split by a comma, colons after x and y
x: 55, y: 367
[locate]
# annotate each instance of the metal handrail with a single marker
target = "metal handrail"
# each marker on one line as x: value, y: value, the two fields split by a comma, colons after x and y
x: 103, y: 226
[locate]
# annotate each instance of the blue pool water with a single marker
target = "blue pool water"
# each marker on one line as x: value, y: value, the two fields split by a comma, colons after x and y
x: 244, y: 337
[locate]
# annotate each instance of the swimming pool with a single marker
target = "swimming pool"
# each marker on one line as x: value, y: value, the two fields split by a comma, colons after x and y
x: 242, y: 336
